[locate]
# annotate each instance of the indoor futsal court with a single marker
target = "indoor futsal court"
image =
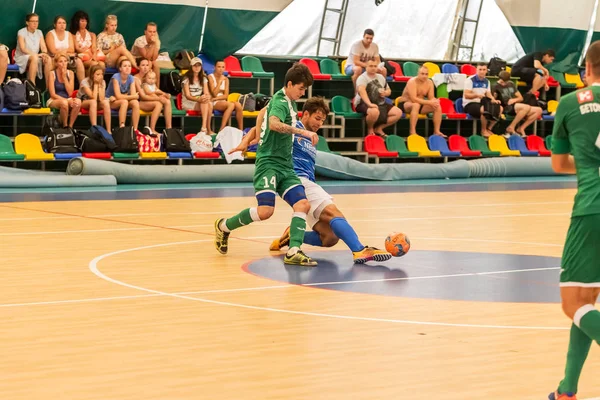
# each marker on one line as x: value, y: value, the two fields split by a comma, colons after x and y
x: 120, y: 294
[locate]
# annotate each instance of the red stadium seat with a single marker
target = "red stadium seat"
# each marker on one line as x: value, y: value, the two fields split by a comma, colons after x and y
x: 315, y: 69
x: 374, y: 145
x: 536, y: 143
x: 101, y: 156
x: 459, y: 143
x: 448, y: 109
x: 234, y: 69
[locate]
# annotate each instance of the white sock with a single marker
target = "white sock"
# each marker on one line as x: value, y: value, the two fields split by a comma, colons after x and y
x: 580, y: 313
x: 254, y: 214
x: 223, y: 226
x: 292, y: 251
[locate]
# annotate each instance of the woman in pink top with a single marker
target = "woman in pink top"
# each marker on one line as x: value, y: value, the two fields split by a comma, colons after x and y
x: 85, y: 41
x: 112, y: 44
x: 61, y: 40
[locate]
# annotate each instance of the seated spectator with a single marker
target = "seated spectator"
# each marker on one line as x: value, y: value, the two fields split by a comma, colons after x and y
x: 195, y: 93
x: 3, y: 62
x: 31, y: 54
x: 371, y: 91
x: 148, y: 46
x: 151, y: 98
x: 92, y: 95
x: 61, y: 40
x: 85, y: 41
x: 361, y: 52
x: 122, y: 94
x: 512, y: 102
x: 477, y: 87
x: 530, y: 68
x: 417, y: 98
x: 218, y: 84
x: 112, y: 44
x: 60, y: 84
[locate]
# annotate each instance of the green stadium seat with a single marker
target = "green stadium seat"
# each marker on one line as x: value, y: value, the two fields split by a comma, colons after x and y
x: 7, y: 153
x: 477, y: 142
x: 397, y: 144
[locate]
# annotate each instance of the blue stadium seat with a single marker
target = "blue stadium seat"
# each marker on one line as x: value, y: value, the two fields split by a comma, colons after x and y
x: 439, y: 143
x: 516, y: 142
x: 449, y: 69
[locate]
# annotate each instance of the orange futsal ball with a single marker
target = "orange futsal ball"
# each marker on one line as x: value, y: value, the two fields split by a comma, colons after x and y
x: 397, y: 244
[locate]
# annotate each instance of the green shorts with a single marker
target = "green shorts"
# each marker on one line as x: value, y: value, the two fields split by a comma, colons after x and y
x: 581, y: 255
x: 270, y: 177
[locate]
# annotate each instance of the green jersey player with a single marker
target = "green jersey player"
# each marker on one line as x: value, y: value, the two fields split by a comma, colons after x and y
x: 576, y: 150
x: 274, y: 171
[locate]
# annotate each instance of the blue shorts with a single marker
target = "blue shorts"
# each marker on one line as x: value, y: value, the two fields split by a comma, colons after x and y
x: 348, y: 70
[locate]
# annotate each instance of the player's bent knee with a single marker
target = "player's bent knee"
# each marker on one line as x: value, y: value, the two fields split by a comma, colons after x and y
x: 329, y: 241
x: 265, y: 212
x: 302, y: 206
x: 294, y: 195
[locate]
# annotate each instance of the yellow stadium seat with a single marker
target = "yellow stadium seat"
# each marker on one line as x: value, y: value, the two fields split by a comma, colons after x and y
x: 418, y: 144
x: 31, y: 147
x: 153, y: 156
x: 498, y: 143
x: 574, y: 79
x: 433, y: 68
x: 250, y: 155
x: 552, y: 105
x: 343, y: 67
x: 145, y: 113
x: 37, y: 111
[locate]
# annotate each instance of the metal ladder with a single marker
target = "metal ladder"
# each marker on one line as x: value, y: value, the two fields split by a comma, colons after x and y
x: 341, y: 19
x: 462, y: 26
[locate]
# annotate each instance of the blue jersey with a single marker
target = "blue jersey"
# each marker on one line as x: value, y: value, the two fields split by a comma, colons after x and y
x: 304, y: 155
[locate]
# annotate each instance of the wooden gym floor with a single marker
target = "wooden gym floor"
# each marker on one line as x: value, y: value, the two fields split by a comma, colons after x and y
x: 128, y: 299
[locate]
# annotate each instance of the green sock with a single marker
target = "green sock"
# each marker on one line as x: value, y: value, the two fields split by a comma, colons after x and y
x: 589, y: 321
x: 579, y: 347
x: 297, y: 230
x: 242, y: 219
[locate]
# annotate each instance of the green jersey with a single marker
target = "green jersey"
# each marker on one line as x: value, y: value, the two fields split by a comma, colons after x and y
x: 577, y: 131
x: 275, y: 147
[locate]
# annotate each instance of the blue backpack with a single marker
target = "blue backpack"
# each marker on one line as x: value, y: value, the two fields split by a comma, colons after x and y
x: 107, y: 138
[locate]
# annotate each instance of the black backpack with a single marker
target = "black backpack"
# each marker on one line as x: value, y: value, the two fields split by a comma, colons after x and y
x: 174, y: 140
x: 34, y: 97
x: 183, y: 59
x: 125, y: 139
x: 90, y: 142
x: 495, y: 66
x: 1, y: 98
x: 15, y: 95
x: 171, y: 82
x: 51, y: 122
x: 61, y: 140
x: 261, y: 101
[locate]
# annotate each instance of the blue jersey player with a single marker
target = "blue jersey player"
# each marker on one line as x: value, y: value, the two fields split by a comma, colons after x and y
x: 327, y: 222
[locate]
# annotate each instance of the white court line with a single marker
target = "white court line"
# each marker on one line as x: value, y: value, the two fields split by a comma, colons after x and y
x: 93, y: 266
x: 235, y: 211
x: 277, y: 223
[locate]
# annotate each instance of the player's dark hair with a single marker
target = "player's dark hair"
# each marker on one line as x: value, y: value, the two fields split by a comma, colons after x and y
x: 299, y: 73
x: 481, y: 64
x: 314, y: 104
x: 550, y: 53
x: 369, y: 32
x: 593, y: 57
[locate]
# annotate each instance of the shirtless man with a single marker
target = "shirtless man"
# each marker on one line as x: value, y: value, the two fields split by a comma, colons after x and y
x: 417, y: 98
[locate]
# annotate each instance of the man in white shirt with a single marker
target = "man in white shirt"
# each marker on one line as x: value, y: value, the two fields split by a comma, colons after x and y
x: 477, y: 87
x: 371, y: 91
x: 361, y: 52
x: 148, y: 46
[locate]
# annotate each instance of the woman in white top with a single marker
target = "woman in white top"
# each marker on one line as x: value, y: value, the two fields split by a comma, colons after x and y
x: 85, y: 41
x: 195, y: 94
x: 151, y: 102
x: 31, y: 50
x: 112, y: 44
x: 60, y: 39
x: 218, y: 84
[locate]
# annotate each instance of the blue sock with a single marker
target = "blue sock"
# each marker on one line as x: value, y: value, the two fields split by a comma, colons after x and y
x: 344, y: 231
x: 313, y: 238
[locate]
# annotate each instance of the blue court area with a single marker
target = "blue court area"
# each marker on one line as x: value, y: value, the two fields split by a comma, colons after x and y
x: 216, y: 190
x: 443, y: 275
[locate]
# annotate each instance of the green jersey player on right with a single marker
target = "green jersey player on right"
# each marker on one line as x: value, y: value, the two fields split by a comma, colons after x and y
x: 576, y: 150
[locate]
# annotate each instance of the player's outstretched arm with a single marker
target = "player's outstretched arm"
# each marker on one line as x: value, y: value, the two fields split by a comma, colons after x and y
x: 276, y: 125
